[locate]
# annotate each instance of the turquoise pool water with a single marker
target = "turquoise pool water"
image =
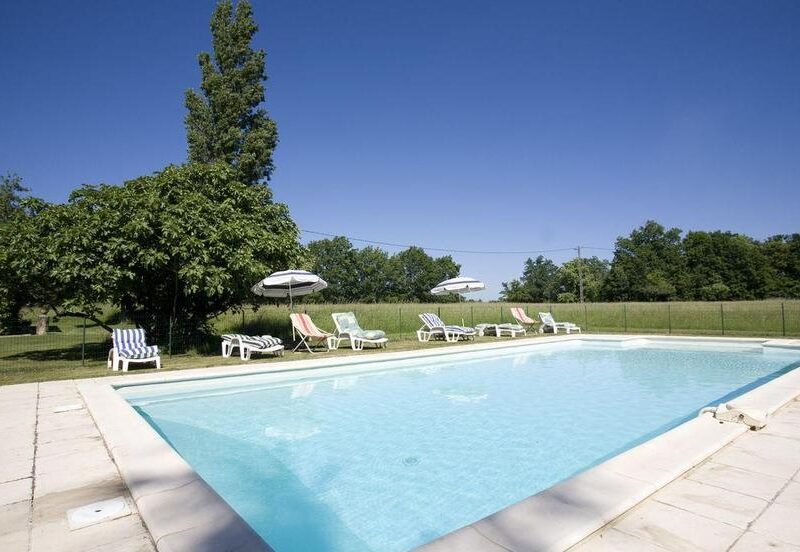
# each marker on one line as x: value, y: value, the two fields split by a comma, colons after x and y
x: 388, y: 460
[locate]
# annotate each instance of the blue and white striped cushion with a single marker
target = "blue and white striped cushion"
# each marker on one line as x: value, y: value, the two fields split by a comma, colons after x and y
x: 431, y: 320
x: 138, y: 351
x: 125, y: 338
x: 460, y: 330
x: 258, y: 342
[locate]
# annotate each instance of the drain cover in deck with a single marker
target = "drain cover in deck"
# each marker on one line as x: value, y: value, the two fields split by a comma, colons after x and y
x: 98, y: 512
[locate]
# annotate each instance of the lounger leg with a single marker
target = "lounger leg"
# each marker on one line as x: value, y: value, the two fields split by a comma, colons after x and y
x: 225, y: 349
x: 158, y: 363
x: 125, y: 365
x: 110, y: 353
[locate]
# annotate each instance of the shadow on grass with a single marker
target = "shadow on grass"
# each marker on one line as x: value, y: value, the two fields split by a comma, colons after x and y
x: 93, y: 351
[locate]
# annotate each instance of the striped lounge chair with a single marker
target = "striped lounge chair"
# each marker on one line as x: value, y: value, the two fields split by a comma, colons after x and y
x: 310, y: 334
x: 131, y: 346
x: 249, y: 344
x: 433, y: 327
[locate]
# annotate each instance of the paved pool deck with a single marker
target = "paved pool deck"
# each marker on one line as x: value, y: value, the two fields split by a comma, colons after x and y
x: 744, y: 498
x: 52, y: 462
x: 53, y: 458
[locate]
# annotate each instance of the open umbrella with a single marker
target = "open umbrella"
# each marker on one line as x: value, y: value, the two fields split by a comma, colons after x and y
x: 289, y: 283
x: 458, y: 285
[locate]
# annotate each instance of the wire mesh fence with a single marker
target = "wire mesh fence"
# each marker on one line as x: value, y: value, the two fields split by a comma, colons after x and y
x: 71, y: 340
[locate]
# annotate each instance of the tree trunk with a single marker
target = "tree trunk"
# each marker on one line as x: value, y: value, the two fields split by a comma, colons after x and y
x: 41, y: 324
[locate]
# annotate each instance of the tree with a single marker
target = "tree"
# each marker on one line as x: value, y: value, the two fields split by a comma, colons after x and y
x: 225, y: 122
x: 186, y: 243
x: 539, y: 283
x: 723, y: 266
x: 335, y: 261
x: 594, y: 270
x: 13, y: 294
x: 783, y: 255
x: 412, y: 273
x: 372, y: 264
x: 648, y: 265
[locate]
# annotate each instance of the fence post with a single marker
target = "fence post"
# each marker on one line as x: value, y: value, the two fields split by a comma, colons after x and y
x: 585, y: 318
x: 501, y: 313
x: 722, y: 317
x: 625, y: 315
x: 400, y: 320
x: 83, y: 344
x: 783, y: 320
x: 471, y: 315
x: 169, y: 346
x: 669, y: 317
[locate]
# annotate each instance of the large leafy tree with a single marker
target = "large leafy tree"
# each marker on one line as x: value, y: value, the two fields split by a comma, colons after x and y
x: 226, y: 121
x: 722, y: 265
x: 183, y: 244
x: 650, y: 264
x: 594, y: 272
x: 13, y: 291
x: 412, y: 273
x: 539, y: 282
x: 335, y: 260
x: 783, y: 254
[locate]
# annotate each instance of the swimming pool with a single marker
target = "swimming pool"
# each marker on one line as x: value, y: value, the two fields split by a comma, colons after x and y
x: 398, y: 453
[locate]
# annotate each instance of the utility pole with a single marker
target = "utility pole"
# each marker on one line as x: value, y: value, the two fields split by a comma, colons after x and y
x: 580, y: 272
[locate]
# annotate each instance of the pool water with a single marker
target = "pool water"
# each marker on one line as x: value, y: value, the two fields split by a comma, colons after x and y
x: 391, y: 459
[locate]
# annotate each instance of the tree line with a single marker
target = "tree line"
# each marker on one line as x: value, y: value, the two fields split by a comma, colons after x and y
x: 371, y: 275
x: 654, y: 263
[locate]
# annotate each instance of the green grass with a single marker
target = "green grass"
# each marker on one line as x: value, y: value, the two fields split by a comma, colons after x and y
x: 61, y: 354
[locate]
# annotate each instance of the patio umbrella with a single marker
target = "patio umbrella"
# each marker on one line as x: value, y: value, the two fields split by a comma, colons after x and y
x: 458, y: 285
x: 289, y: 283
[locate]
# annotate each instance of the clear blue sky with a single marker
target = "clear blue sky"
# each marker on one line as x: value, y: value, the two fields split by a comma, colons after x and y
x: 465, y: 125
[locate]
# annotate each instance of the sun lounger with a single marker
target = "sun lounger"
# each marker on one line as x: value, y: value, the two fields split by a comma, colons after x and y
x: 498, y: 330
x: 310, y: 334
x: 131, y: 346
x: 433, y: 327
x: 347, y: 328
x: 519, y: 315
x: 549, y: 322
x: 249, y: 344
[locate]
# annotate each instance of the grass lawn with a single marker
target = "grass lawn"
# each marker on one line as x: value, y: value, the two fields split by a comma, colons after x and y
x: 64, y: 353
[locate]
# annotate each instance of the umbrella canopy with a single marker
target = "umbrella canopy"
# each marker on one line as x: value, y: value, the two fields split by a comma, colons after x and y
x: 461, y: 284
x: 289, y: 283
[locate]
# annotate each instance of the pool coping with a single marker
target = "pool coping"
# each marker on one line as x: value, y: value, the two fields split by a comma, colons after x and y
x: 183, y: 512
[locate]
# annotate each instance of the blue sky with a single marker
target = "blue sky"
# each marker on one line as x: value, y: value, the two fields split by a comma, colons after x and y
x: 464, y: 125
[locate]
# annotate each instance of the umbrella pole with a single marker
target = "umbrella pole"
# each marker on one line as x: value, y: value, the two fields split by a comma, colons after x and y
x: 291, y: 309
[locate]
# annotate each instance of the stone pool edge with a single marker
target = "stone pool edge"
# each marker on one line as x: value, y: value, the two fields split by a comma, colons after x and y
x: 182, y: 512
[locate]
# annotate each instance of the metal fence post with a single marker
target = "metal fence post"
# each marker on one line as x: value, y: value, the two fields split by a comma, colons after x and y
x: 722, y: 317
x: 585, y: 318
x: 501, y: 313
x: 83, y: 344
x: 783, y: 320
x: 471, y: 315
x: 400, y: 321
x: 169, y: 339
x: 669, y: 317
x: 625, y: 315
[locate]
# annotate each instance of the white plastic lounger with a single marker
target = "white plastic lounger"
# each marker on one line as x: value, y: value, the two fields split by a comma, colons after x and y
x: 498, y: 330
x: 549, y: 322
x: 347, y: 328
x: 131, y: 346
x: 309, y: 333
x: 249, y: 344
x: 433, y: 327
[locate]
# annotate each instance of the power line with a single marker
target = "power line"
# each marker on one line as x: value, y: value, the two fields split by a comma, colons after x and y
x: 447, y: 250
